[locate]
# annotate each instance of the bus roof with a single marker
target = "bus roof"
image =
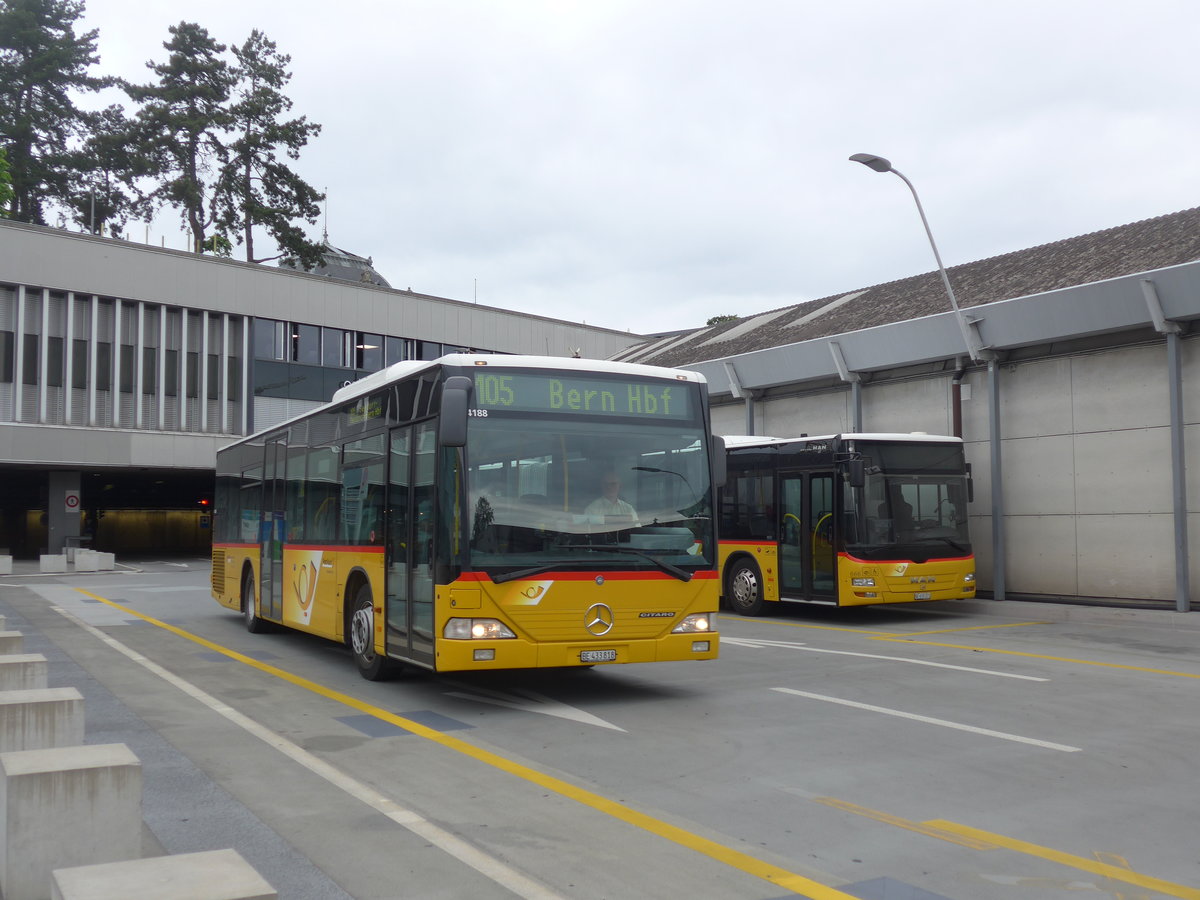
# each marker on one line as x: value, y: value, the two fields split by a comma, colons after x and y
x: 734, y: 441
x: 514, y: 361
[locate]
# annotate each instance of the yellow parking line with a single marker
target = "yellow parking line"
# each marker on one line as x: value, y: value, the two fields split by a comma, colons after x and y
x: 1116, y: 873
x: 813, y: 627
x: 970, y: 628
x: 918, y: 827
x: 744, y: 862
x: 1066, y: 659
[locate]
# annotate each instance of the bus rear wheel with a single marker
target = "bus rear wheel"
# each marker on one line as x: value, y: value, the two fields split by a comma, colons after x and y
x: 743, y: 588
x: 371, y: 665
x: 254, y: 624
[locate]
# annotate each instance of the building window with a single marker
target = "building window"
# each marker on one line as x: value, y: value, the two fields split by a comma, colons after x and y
x: 6, y: 356
x: 428, y: 349
x: 393, y: 350
x: 79, y: 362
x: 368, y: 352
x: 268, y: 339
x: 30, y: 375
x: 333, y: 348
x: 306, y: 344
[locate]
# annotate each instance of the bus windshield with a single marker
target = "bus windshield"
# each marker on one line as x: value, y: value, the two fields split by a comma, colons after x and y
x: 587, y: 493
x: 913, y: 504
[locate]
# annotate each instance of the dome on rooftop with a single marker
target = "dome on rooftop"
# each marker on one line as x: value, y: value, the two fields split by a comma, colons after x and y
x: 342, y: 265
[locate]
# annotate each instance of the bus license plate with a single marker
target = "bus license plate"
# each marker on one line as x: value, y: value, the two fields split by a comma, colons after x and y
x: 597, y: 656
x: 922, y: 595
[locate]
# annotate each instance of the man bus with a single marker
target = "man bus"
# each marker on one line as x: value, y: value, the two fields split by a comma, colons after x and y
x: 434, y: 514
x: 845, y: 520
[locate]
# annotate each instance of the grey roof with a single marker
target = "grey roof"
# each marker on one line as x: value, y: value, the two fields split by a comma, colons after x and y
x: 344, y: 266
x: 1127, y: 249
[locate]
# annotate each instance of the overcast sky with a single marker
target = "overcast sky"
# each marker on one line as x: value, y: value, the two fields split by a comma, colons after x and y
x: 646, y: 165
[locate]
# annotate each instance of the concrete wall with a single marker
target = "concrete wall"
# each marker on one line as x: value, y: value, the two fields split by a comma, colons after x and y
x: 1086, y: 462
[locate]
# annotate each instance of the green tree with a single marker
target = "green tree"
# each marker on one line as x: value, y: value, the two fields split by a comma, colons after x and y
x: 102, y: 198
x: 179, y: 127
x: 6, y: 191
x: 257, y: 187
x: 42, y: 60
x: 717, y: 320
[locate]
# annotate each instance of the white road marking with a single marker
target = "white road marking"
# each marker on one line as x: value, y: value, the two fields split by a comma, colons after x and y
x: 987, y: 732
x: 481, y: 862
x: 529, y: 701
x: 790, y: 645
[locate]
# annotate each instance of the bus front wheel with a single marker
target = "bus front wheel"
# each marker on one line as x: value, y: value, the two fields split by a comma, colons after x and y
x: 254, y: 624
x: 743, y: 588
x: 371, y: 665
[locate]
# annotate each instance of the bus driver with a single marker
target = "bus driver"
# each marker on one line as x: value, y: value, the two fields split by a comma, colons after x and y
x: 609, y: 506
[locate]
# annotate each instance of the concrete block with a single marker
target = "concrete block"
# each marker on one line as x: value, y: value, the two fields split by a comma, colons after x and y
x: 212, y: 875
x: 86, y: 560
x: 53, y: 562
x: 37, y: 719
x: 11, y: 642
x: 66, y: 807
x: 5, y: 565
x: 22, y: 671
x: 105, y: 561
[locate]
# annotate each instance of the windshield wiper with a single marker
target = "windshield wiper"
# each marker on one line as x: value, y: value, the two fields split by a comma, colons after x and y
x: 534, y: 570
x: 957, y: 546
x: 673, y: 571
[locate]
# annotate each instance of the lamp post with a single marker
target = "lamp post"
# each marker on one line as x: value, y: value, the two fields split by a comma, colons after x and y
x: 879, y: 164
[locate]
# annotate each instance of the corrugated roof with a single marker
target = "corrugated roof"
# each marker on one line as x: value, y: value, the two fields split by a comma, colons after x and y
x: 1125, y: 250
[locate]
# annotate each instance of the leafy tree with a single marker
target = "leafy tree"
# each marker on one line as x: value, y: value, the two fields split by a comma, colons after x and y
x: 42, y: 60
x: 257, y: 187
x: 717, y: 320
x: 180, y: 125
x: 6, y: 191
x: 101, y: 198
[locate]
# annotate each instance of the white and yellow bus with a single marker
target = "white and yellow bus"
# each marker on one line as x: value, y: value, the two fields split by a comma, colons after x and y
x: 441, y: 514
x: 845, y: 520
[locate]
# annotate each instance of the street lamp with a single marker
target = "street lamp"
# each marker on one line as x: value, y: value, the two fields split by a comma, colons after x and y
x: 879, y: 164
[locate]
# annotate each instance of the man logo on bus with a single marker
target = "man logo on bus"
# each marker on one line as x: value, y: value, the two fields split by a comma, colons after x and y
x: 598, y: 620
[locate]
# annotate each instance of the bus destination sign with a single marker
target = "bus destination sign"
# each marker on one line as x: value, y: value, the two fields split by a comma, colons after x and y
x: 567, y: 395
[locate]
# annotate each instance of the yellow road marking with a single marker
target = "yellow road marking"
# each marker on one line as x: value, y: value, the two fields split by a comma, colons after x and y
x: 918, y: 827
x: 1114, y: 859
x: 815, y: 627
x: 712, y: 849
x: 969, y: 628
x: 1066, y: 659
x: 1116, y: 873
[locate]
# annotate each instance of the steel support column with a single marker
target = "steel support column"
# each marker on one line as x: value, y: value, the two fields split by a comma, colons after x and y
x: 998, y: 543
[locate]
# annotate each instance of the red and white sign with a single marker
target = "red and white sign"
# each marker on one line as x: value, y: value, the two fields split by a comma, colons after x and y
x: 72, y: 501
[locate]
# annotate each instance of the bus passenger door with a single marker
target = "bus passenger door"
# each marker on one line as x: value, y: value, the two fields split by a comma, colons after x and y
x: 409, y: 585
x: 807, y: 562
x: 272, y: 531
x: 822, y: 555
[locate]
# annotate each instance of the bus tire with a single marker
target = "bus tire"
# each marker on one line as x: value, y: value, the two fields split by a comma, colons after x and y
x: 743, y: 588
x: 254, y: 624
x: 361, y: 637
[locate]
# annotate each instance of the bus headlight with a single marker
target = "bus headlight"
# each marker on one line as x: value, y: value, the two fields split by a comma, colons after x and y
x: 694, y: 624
x: 969, y: 578
x: 862, y: 582
x: 476, y: 630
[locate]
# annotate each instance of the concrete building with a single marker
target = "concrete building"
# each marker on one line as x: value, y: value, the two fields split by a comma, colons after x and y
x: 1080, y: 415
x: 123, y: 367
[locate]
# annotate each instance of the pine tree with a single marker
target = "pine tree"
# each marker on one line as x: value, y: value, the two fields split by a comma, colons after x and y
x: 42, y: 61
x: 6, y: 191
x: 102, y: 198
x: 180, y: 125
x: 257, y: 187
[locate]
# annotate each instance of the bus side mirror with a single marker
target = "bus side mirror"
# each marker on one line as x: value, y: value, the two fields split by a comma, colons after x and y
x: 456, y: 400
x: 970, y: 485
x: 855, y: 473
x: 718, y: 461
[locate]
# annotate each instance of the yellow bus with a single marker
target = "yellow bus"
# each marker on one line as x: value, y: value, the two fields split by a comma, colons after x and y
x: 482, y: 512
x: 844, y: 520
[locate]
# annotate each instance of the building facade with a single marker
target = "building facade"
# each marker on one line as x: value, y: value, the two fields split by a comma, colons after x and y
x: 1081, y: 413
x: 123, y: 367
